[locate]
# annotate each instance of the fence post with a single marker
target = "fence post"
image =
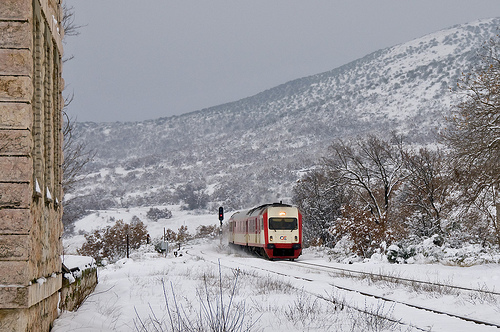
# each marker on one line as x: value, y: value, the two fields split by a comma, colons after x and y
x: 128, y: 247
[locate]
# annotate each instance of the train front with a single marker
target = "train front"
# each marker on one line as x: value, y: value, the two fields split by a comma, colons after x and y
x: 283, y: 232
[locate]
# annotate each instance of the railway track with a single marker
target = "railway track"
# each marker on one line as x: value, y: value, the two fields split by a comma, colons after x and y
x: 350, y: 273
x: 345, y: 273
x: 378, y: 276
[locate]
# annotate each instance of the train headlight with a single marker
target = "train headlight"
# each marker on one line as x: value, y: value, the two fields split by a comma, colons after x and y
x: 296, y: 238
x: 270, y: 238
x: 282, y: 213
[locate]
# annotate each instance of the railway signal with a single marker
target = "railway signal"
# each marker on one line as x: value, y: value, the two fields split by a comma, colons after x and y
x: 221, y: 217
x: 221, y: 214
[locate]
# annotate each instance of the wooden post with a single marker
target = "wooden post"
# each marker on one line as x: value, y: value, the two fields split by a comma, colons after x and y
x: 128, y: 247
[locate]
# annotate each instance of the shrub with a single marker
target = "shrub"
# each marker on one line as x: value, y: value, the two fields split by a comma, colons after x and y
x: 362, y: 229
x: 111, y: 242
x: 155, y: 214
x: 181, y: 236
x: 211, y: 231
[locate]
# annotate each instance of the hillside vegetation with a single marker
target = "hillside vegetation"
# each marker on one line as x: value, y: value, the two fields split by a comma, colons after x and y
x: 254, y: 150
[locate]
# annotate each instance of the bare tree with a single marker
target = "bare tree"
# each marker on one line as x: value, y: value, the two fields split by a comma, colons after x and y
x: 69, y: 25
x: 474, y: 132
x: 68, y: 21
x: 320, y: 199
x: 76, y: 154
x: 427, y: 188
x: 372, y: 167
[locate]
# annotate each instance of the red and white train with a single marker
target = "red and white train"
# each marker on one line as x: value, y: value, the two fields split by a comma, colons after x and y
x: 270, y: 230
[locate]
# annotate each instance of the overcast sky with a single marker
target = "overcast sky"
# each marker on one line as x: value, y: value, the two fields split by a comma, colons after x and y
x: 143, y: 59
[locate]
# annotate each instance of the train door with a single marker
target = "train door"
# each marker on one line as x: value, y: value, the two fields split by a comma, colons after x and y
x: 251, y: 232
x: 255, y: 231
x: 246, y: 231
x: 261, y: 230
x: 233, y: 231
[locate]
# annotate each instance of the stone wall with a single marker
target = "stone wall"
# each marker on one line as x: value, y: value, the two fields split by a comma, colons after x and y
x: 30, y: 163
x: 74, y: 293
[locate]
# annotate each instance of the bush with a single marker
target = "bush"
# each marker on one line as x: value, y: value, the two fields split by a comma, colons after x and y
x: 183, y: 234
x: 361, y: 227
x: 155, y: 214
x: 211, y: 231
x: 111, y: 242
x: 171, y: 236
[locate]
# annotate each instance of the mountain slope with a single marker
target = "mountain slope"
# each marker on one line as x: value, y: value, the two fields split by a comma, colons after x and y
x: 250, y: 151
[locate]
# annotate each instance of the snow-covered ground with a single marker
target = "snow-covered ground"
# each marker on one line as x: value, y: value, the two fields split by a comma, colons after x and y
x: 136, y: 294
x: 102, y: 219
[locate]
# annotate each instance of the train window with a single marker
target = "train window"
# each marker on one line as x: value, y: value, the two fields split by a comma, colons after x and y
x: 283, y: 223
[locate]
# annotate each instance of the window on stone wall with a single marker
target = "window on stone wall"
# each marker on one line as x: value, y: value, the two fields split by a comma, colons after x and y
x: 57, y: 124
x: 46, y: 106
x: 48, y: 114
x: 37, y: 104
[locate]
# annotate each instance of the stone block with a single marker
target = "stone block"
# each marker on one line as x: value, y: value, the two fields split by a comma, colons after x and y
x: 40, y: 291
x: 16, y: 88
x: 15, y: 62
x: 13, y: 320
x: 43, y: 314
x: 15, y: 195
x: 15, y: 35
x: 15, y: 115
x: 15, y: 221
x: 16, y: 169
x: 38, y: 317
x: 14, y: 247
x: 15, y: 142
x: 14, y: 297
x: 15, y: 10
x: 14, y: 273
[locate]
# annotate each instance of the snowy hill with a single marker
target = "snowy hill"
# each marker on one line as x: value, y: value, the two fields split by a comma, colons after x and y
x: 251, y: 151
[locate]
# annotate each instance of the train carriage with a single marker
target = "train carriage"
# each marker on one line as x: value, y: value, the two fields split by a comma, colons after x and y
x: 271, y: 230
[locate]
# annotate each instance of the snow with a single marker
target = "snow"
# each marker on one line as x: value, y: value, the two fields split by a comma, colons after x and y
x: 101, y: 219
x: 77, y: 264
x: 80, y: 262
x: 37, y: 187
x: 274, y: 296
x: 278, y: 296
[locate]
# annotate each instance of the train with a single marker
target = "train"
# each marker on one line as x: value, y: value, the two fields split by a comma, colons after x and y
x: 271, y: 230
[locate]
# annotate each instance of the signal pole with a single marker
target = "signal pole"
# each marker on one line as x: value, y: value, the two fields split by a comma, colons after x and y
x: 221, y: 217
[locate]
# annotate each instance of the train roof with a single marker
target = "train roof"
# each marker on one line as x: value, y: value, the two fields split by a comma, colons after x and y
x: 257, y: 210
x: 264, y: 206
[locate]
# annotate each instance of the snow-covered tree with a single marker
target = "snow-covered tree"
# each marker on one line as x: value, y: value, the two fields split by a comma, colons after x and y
x: 371, y: 167
x: 193, y: 195
x: 474, y: 134
x: 423, y: 199
x: 320, y: 199
x: 111, y: 242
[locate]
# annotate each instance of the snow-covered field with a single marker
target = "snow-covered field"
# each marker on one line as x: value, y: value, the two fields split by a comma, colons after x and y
x: 210, y: 283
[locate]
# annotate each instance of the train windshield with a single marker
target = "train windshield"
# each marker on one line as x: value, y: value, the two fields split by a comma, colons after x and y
x: 283, y: 223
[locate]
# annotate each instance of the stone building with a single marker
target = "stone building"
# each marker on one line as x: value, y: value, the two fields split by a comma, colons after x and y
x: 30, y: 163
